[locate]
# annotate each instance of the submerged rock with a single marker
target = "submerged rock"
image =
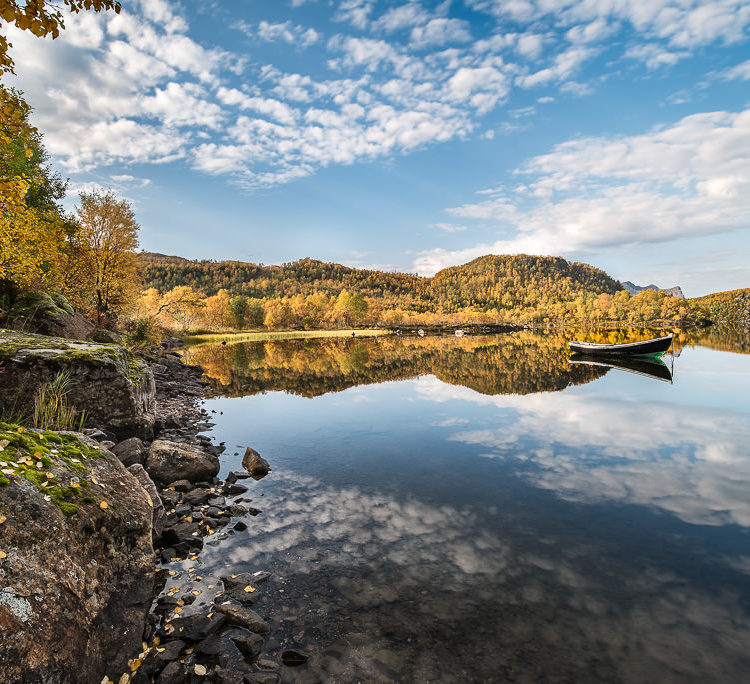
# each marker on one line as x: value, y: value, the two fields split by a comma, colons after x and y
x: 77, y: 563
x: 171, y: 461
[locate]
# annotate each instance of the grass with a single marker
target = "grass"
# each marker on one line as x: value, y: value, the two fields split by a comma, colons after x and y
x: 51, y: 408
x: 281, y: 335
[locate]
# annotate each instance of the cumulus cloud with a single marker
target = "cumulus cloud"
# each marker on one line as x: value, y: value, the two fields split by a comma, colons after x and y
x: 688, y: 179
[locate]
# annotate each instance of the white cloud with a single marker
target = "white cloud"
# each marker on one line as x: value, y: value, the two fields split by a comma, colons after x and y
x: 654, y: 56
x: 688, y: 179
x: 448, y: 227
x: 740, y: 72
x: 287, y: 32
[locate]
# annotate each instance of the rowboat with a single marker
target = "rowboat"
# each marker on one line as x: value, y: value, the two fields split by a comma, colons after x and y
x: 652, y: 347
x: 640, y: 365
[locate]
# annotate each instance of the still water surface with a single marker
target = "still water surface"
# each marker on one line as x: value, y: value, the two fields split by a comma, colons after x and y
x: 480, y: 509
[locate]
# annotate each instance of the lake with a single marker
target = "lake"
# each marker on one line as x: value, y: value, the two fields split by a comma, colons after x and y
x: 480, y: 509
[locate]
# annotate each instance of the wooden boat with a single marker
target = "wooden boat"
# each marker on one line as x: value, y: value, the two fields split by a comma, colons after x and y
x: 640, y: 365
x: 653, y: 347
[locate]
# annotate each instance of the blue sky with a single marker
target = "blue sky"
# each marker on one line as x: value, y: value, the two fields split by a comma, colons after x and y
x: 414, y: 135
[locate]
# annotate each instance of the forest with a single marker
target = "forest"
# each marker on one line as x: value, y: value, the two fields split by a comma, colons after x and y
x: 308, y: 294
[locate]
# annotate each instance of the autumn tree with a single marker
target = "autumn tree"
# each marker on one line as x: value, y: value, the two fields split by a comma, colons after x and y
x: 106, y: 240
x: 239, y: 306
x: 33, y: 226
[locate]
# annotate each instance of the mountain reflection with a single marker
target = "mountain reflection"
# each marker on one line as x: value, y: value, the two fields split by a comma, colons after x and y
x: 520, y: 363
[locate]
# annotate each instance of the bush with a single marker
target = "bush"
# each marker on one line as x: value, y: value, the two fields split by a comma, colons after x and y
x: 143, y: 333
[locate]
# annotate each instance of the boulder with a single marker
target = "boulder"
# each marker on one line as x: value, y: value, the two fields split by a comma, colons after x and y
x: 243, y: 617
x: 171, y: 461
x: 112, y: 388
x: 255, y: 464
x: 159, y: 517
x: 130, y: 451
x: 77, y: 562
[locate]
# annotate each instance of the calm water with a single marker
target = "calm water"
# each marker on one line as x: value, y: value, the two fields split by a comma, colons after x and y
x: 479, y: 509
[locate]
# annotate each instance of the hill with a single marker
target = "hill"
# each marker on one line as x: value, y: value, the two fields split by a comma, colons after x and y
x: 731, y: 307
x: 309, y: 293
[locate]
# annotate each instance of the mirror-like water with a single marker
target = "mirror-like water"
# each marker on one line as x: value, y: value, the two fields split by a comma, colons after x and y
x: 480, y: 509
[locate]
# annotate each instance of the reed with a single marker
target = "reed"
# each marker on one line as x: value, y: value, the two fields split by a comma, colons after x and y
x: 51, y: 408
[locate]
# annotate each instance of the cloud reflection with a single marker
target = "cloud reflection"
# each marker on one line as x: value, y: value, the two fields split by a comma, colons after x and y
x: 691, y: 461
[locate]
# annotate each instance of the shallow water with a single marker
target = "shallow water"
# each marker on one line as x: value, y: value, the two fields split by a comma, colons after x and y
x: 480, y: 509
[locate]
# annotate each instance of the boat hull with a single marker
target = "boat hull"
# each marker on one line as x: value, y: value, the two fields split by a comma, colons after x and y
x: 656, y: 346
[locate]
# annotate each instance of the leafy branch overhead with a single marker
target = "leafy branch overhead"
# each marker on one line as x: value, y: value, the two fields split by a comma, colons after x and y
x: 42, y: 19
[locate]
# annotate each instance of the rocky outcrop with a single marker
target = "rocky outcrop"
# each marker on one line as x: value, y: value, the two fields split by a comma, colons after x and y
x: 115, y: 389
x: 76, y: 559
x: 48, y: 314
x: 171, y: 461
x: 634, y: 289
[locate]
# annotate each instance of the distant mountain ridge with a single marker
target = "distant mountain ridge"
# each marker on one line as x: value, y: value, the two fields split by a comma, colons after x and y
x: 634, y: 289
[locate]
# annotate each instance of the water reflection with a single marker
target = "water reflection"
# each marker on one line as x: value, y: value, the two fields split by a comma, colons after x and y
x: 648, y: 367
x: 449, y: 518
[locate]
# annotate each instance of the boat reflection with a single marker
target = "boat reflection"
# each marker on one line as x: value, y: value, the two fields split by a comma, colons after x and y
x: 648, y: 367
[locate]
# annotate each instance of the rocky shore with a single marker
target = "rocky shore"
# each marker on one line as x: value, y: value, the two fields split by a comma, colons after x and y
x: 161, y: 619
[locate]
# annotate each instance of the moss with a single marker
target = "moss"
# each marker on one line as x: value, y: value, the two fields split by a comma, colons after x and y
x: 4, y: 481
x: 67, y: 508
x: 88, y: 499
x: 30, y: 454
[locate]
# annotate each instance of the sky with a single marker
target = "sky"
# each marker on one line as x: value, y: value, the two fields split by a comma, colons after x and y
x: 413, y: 135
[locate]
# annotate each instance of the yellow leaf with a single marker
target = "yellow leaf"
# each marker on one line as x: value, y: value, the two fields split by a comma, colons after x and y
x: 177, y: 610
x: 49, y: 476
x: 103, y: 505
x: 180, y: 602
x: 20, y: 430
x: 157, y: 641
x: 2, y: 519
x: 3, y: 555
x: 195, y: 591
x: 200, y: 670
x: 135, y: 664
x: 249, y: 589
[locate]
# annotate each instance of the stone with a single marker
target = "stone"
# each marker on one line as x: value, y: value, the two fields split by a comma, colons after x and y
x: 240, y: 526
x: 249, y: 644
x: 292, y: 658
x: 237, y: 510
x: 242, y: 588
x: 114, y: 388
x: 77, y: 579
x: 130, y: 451
x: 241, y: 616
x: 182, y: 485
x: 182, y: 534
x: 174, y: 673
x: 255, y: 464
x: 233, y: 489
x: 170, y: 461
x: 198, y: 626
x: 197, y: 497
x: 159, y: 518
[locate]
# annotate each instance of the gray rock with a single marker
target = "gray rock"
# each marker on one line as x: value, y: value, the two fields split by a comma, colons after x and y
x: 130, y: 451
x: 170, y: 461
x: 198, y: 626
x: 249, y: 644
x: 291, y: 657
x: 160, y: 515
x: 255, y: 464
x: 243, y: 588
x: 243, y: 617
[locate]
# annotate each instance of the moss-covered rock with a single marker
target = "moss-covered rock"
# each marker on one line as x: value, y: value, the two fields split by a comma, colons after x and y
x: 114, y: 388
x: 76, y: 561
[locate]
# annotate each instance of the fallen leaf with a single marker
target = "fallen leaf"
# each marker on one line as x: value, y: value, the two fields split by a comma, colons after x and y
x: 124, y: 679
x: 200, y: 670
x: 103, y: 505
x: 177, y: 610
x: 180, y: 602
x: 2, y: 519
x: 157, y: 641
x: 160, y: 650
x: 249, y: 589
x: 189, y: 650
x: 135, y: 664
x: 196, y: 592
x: 49, y: 476
x: 3, y: 555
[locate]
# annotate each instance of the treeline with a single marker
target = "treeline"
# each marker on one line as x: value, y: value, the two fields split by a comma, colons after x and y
x: 731, y: 307
x: 311, y: 294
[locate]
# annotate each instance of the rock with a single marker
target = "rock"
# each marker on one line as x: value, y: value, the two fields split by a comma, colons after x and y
x: 242, y: 588
x: 174, y: 673
x: 48, y: 314
x: 234, y: 489
x: 249, y: 644
x: 293, y: 658
x: 169, y: 498
x: 159, y: 518
x: 182, y: 533
x: 267, y: 664
x: 130, y: 451
x: 182, y: 485
x: 170, y: 461
x: 236, y: 475
x: 78, y: 575
x: 104, y: 336
x: 198, y: 626
x: 96, y: 434
x: 114, y: 388
x: 243, y: 617
x: 240, y: 526
x: 237, y: 510
x: 255, y: 464
x: 197, y: 497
